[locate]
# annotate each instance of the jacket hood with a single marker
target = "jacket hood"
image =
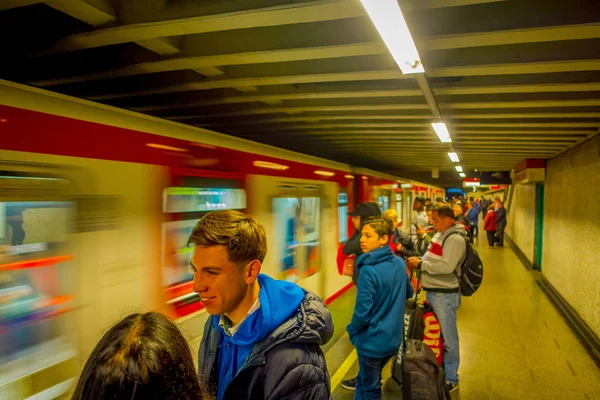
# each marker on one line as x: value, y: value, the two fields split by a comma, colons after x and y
x: 278, y: 301
x: 310, y: 324
x: 382, y: 254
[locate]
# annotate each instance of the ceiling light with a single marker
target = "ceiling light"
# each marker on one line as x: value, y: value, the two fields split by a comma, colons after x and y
x: 453, y: 157
x: 458, y: 168
x: 164, y: 147
x: 462, y: 175
x: 324, y: 173
x: 349, y: 176
x: 390, y: 24
x: 270, y: 165
x: 442, y: 132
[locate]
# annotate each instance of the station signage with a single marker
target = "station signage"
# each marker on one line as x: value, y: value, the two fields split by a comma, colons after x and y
x: 530, y: 170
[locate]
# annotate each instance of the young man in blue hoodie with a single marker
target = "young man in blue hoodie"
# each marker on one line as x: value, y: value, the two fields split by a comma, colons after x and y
x: 377, y: 323
x: 263, y: 338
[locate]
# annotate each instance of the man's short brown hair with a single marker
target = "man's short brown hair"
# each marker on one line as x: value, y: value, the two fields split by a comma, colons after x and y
x: 242, y: 235
x: 444, y: 211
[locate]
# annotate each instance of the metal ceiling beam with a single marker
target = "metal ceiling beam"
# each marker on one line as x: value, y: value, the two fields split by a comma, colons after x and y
x: 457, y: 133
x: 8, y: 4
x: 92, y: 12
x: 295, y: 110
x: 278, y: 98
x: 297, y: 13
x: 167, y: 46
x: 494, y: 69
x: 535, y: 88
x: 513, y: 36
x: 453, y: 124
x: 276, y: 110
x: 415, y: 5
x: 257, y: 57
x: 544, y: 67
x: 522, y: 104
x: 263, y: 81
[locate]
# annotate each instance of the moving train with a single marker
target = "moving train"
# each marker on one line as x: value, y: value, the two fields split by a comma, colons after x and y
x: 96, y: 205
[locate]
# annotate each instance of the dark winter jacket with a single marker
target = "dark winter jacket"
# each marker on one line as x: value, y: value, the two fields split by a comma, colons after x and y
x: 286, y: 364
x: 501, y: 216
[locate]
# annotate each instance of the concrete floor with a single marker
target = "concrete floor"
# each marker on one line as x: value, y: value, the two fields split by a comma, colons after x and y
x: 514, y: 343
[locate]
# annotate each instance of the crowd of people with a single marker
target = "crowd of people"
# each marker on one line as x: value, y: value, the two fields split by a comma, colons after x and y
x: 263, y: 337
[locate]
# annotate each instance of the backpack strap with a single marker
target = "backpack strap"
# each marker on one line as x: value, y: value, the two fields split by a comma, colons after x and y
x: 444, y: 241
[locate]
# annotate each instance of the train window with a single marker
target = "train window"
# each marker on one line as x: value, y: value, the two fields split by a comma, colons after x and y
x: 299, y: 218
x: 343, y: 216
x: 187, y: 199
x: 36, y: 286
x: 192, y: 203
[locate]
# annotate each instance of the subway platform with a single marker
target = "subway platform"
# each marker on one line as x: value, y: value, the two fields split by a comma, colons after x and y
x: 514, y: 344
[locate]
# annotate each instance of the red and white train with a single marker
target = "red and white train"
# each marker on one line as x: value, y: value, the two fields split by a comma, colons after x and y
x: 96, y: 204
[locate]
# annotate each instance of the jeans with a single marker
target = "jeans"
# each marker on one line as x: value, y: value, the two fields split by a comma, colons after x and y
x: 368, y: 381
x: 501, y: 227
x: 490, y: 237
x: 445, y: 306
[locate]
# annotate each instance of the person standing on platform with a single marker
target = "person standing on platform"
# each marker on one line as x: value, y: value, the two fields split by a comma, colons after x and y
x: 262, y: 339
x: 420, y: 219
x: 489, y: 224
x: 376, y: 327
x: 501, y: 222
x: 359, y: 214
x: 440, y: 269
x: 473, y: 218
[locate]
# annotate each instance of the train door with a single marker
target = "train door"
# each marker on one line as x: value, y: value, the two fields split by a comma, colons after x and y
x: 297, y: 216
x: 399, y: 207
x: 184, y: 203
x: 38, y: 355
x: 407, y: 209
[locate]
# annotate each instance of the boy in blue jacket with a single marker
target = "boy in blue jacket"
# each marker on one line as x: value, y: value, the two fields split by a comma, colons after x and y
x: 377, y: 323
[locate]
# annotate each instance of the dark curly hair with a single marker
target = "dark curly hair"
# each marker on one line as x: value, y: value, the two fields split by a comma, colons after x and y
x: 144, y: 356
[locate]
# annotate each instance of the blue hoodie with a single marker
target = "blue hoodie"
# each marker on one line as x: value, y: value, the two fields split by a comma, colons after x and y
x: 278, y: 301
x: 378, y: 319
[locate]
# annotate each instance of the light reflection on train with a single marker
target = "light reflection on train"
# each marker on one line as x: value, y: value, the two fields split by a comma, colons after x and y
x: 90, y: 232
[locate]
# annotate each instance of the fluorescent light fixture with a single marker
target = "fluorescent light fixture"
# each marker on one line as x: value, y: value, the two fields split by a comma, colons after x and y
x: 164, y: 147
x: 270, y: 165
x: 442, y: 131
x: 458, y: 168
x: 349, y: 176
x: 453, y: 157
x: 462, y: 175
x: 324, y: 173
x: 392, y: 28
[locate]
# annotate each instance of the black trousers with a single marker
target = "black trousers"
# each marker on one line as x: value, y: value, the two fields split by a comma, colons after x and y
x: 490, y: 237
x: 501, y: 227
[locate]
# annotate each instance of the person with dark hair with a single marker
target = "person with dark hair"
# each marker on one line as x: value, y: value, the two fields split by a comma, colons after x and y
x: 440, y: 269
x: 145, y: 357
x: 427, y: 203
x: 263, y: 337
x: 501, y: 222
x: 359, y: 214
x: 376, y: 327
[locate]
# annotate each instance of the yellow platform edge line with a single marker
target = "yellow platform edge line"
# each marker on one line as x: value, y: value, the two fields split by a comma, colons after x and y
x: 343, y: 370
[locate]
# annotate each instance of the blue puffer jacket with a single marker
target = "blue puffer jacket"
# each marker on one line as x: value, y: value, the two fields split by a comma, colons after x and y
x: 273, y: 358
x: 378, y: 319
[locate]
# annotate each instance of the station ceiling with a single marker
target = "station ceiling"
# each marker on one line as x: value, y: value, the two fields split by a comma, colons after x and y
x: 513, y: 79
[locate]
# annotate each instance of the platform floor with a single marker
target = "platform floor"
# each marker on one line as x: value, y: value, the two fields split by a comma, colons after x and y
x: 514, y: 344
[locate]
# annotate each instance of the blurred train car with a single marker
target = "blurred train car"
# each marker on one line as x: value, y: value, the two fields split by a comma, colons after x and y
x: 96, y: 205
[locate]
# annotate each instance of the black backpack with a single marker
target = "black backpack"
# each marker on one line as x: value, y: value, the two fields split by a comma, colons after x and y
x: 471, y: 271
